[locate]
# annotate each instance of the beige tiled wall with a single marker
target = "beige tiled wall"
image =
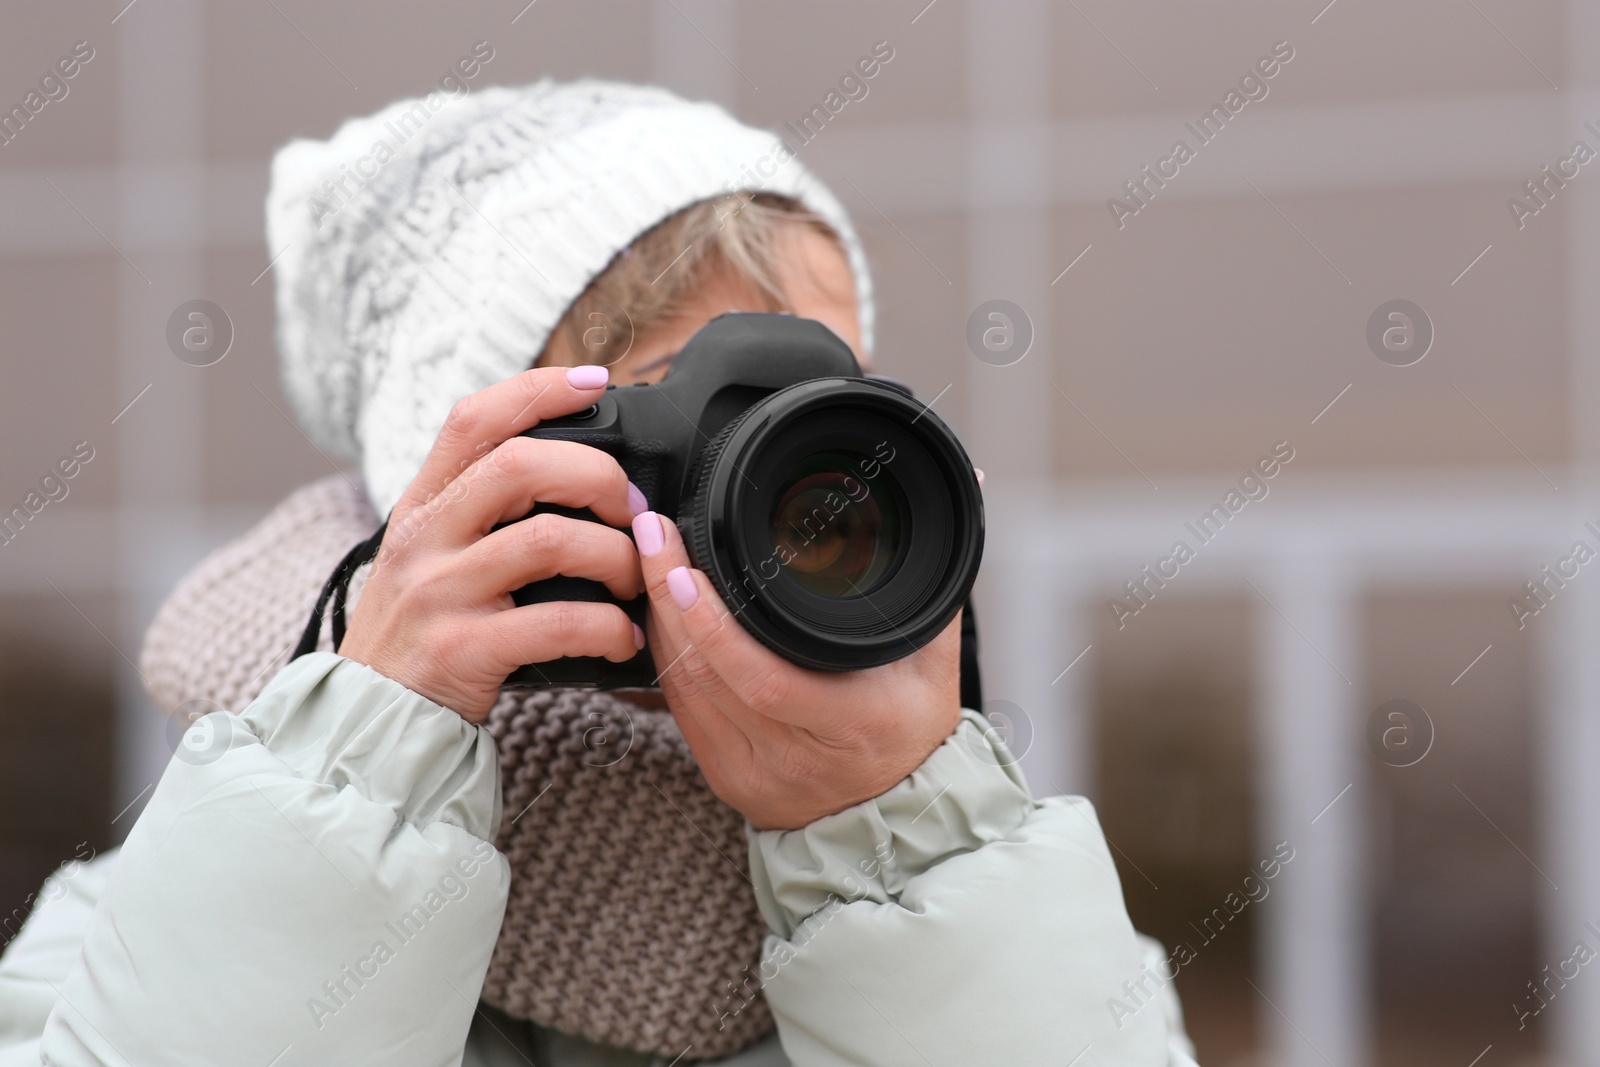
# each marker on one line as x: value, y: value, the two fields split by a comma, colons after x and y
x: 1221, y: 319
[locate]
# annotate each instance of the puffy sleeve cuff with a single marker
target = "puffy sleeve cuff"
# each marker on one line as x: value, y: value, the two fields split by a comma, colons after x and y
x: 967, y: 793
x: 335, y: 721
x: 316, y: 872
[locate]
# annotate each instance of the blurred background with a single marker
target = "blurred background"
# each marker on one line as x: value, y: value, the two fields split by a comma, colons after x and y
x: 1168, y: 324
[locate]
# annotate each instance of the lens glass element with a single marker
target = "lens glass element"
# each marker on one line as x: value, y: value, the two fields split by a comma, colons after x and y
x: 840, y: 521
x: 836, y: 533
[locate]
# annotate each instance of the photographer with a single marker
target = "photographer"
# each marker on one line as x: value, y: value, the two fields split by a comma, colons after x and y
x: 849, y: 857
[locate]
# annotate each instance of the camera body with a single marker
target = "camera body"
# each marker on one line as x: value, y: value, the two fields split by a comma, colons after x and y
x: 839, y: 519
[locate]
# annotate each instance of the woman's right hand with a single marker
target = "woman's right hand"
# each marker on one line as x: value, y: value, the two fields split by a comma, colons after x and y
x: 436, y: 613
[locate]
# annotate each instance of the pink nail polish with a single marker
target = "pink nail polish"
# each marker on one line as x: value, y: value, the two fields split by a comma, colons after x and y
x: 638, y: 636
x: 588, y: 377
x: 636, y: 501
x: 680, y: 583
x: 647, y: 533
x: 976, y: 471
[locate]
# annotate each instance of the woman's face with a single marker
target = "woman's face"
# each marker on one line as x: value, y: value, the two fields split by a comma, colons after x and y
x: 815, y: 276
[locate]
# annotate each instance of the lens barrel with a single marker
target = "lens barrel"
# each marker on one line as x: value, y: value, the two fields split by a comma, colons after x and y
x: 840, y: 520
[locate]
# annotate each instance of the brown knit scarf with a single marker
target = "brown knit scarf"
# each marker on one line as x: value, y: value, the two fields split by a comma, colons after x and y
x: 631, y: 920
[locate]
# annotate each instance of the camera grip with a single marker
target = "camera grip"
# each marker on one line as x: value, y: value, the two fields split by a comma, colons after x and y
x: 641, y: 461
x: 584, y: 672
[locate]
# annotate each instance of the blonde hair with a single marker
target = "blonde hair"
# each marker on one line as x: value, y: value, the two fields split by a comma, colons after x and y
x: 656, y: 277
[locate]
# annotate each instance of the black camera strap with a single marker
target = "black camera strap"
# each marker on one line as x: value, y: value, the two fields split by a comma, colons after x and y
x: 336, y: 590
x: 971, y: 682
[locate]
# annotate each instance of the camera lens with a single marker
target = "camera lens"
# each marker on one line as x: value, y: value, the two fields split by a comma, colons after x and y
x: 840, y: 520
x: 839, y: 536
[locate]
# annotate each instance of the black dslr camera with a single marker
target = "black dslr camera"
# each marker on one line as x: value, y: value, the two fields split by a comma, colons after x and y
x: 838, y: 518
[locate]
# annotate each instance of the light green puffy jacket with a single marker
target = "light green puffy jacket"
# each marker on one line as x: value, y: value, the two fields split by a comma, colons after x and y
x: 321, y: 889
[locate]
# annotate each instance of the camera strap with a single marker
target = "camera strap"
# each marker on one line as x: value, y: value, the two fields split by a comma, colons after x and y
x: 336, y: 590
x: 971, y: 682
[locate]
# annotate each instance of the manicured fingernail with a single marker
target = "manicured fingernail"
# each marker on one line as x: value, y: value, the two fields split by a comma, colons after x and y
x: 588, y: 377
x: 680, y: 583
x: 638, y: 636
x: 976, y: 471
x: 636, y: 501
x: 647, y: 533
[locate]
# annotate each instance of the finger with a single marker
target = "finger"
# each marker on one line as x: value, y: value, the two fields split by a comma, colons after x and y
x: 702, y: 693
x: 657, y: 556
x: 543, y: 546
x: 752, y: 675
x: 479, y: 422
x: 717, y: 744
x: 732, y: 668
x: 506, y: 483
x: 537, y: 633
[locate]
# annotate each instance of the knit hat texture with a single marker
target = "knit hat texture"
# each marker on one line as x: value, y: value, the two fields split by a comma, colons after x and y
x: 427, y: 251
x: 631, y: 921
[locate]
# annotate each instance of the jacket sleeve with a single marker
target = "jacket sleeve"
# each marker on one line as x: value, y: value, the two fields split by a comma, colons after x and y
x: 37, y: 961
x: 956, y: 920
x: 311, y: 882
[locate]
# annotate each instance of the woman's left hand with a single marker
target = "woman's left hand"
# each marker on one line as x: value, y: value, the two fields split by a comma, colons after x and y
x: 781, y: 744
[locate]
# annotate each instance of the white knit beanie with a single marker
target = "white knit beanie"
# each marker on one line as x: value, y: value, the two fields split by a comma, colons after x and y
x: 427, y: 251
